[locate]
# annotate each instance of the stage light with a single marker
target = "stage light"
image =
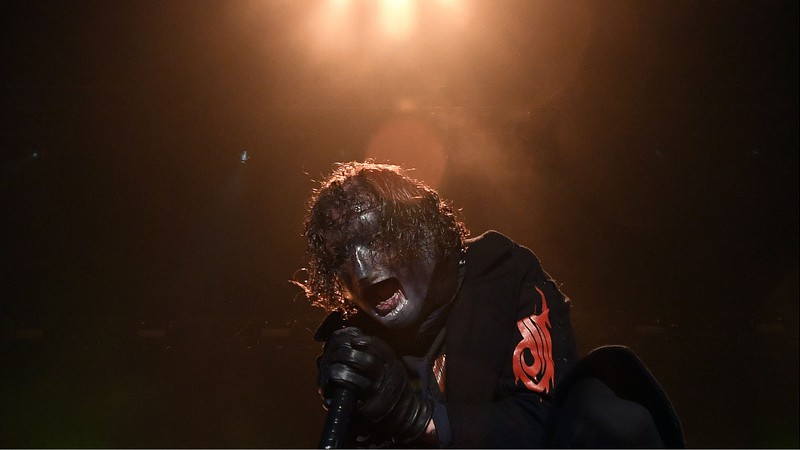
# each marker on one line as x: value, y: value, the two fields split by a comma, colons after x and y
x: 397, y: 18
x: 350, y: 31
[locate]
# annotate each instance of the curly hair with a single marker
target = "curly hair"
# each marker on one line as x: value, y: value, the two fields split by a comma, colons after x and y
x: 413, y: 221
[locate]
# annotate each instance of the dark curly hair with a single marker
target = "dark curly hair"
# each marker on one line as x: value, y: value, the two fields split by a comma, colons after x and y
x: 413, y: 221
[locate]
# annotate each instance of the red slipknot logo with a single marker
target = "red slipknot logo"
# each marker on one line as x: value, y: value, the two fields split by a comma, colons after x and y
x: 536, y: 345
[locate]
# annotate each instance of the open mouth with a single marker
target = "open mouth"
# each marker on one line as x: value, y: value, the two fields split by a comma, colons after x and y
x: 385, y: 296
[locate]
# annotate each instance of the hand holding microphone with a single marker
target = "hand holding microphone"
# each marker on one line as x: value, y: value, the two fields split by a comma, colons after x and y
x: 367, y: 367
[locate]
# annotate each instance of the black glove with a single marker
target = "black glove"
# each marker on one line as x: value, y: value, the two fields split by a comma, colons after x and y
x: 368, y: 366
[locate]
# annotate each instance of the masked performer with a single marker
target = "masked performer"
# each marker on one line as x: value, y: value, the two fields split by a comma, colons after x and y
x: 449, y: 341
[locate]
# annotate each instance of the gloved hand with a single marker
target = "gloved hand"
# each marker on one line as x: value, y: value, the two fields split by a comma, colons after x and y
x: 368, y: 366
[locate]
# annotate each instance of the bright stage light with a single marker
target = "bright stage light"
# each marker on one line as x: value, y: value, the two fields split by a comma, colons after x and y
x: 367, y: 25
x: 398, y: 18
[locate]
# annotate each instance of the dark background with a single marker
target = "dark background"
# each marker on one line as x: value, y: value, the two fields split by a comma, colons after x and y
x: 647, y: 151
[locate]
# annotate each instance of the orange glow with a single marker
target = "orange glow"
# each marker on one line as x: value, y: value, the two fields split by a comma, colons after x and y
x: 333, y: 25
x: 411, y: 143
x: 457, y: 13
x: 338, y: 10
x: 350, y: 30
x: 398, y: 18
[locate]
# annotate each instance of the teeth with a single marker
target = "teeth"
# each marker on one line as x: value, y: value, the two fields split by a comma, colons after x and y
x: 391, y: 302
x: 398, y: 308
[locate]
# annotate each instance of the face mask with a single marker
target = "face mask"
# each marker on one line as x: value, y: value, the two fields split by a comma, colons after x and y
x: 392, y: 293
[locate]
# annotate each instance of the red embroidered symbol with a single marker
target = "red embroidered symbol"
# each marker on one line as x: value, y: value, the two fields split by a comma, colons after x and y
x: 537, y: 345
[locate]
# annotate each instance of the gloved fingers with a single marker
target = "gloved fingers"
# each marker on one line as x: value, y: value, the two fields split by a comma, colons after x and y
x: 365, y: 353
x: 341, y: 338
x: 349, y: 331
x: 392, y: 386
x: 344, y: 376
x: 375, y: 346
x: 361, y: 361
x: 355, y: 338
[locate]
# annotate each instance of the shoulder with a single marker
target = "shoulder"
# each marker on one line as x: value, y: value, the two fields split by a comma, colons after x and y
x: 492, y: 242
x: 492, y: 250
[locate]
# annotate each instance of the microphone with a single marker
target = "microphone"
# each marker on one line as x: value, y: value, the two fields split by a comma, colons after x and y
x: 337, y: 423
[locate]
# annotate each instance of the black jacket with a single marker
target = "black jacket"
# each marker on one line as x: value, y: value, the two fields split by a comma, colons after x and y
x: 488, y: 403
x: 509, y: 343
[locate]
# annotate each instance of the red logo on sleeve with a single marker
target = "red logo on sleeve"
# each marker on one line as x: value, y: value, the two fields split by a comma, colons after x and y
x: 536, y: 346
